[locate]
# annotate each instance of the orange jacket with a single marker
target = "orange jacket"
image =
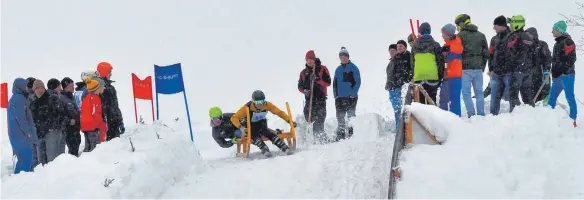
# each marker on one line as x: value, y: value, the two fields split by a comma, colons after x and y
x: 91, y: 115
x: 454, y: 58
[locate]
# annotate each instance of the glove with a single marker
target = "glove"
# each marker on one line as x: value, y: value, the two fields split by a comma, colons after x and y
x: 307, y: 93
x: 234, y: 140
x: 122, y: 128
x: 315, y: 77
x: 545, y: 77
x: 293, y: 124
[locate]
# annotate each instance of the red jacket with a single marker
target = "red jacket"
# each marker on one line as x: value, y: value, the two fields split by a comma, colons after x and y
x: 91, y: 117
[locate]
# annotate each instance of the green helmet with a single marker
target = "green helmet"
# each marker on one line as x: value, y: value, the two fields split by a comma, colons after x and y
x: 215, y: 112
x: 517, y: 22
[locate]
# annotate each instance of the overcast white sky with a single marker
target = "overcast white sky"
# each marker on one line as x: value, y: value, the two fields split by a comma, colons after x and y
x: 230, y: 48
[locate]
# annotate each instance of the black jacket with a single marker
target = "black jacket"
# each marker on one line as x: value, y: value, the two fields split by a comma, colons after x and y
x: 71, y: 108
x: 497, y: 50
x: 49, y: 113
x: 564, y: 56
x: 320, y: 88
x: 110, y: 108
x: 542, y: 57
x: 224, y: 131
x: 519, y: 51
x: 399, y: 70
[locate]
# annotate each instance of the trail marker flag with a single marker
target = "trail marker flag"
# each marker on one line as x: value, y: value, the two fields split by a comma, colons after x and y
x: 169, y: 80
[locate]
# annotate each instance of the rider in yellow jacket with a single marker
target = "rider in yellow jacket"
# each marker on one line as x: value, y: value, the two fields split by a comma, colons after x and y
x: 258, y: 109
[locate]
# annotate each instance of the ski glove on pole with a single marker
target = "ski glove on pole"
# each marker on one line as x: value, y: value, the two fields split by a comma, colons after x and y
x: 307, y: 93
x: 122, y: 128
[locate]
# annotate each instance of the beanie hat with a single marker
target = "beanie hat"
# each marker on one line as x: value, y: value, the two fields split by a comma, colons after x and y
x: 37, y: 84
x: 344, y: 52
x: 66, y: 81
x: 425, y: 28
x: 53, y: 84
x: 449, y: 29
x: 500, y: 21
x: 104, y: 68
x: 561, y: 27
x: 310, y: 55
x: 402, y: 42
x: 30, y: 82
x: 93, y: 84
x: 393, y: 46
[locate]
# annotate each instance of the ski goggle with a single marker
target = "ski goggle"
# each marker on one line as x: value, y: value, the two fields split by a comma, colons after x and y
x: 259, y: 102
x: 216, y: 121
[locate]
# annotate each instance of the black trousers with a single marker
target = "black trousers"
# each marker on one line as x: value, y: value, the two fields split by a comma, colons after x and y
x: 113, y: 130
x: 318, y: 117
x: 73, y: 140
x: 345, y: 106
x: 432, y: 91
x: 521, y: 83
x: 259, y: 130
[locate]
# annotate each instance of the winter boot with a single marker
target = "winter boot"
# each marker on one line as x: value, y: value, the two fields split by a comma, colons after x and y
x: 341, y: 134
x: 350, y: 132
x: 259, y: 142
x: 280, y: 144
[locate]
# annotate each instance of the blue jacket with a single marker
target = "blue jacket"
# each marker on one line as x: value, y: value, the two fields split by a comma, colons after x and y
x: 347, y: 80
x: 21, y: 128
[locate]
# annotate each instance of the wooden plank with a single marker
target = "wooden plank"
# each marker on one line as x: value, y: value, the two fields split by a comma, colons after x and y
x: 425, y: 130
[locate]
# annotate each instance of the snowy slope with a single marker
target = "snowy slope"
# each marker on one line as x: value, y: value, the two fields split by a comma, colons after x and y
x: 154, y: 166
x: 530, y: 153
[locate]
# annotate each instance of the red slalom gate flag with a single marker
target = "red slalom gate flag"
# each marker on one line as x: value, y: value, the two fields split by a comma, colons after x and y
x: 4, y: 95
x: 142, y: 90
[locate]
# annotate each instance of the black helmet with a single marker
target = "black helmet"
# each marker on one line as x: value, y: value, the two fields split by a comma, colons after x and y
x: 258, y: 95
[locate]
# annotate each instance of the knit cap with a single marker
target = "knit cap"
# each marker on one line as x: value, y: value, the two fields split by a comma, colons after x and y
x: 344, y: 52
x: 53, y: 84
x: 310, y: 55
x: 561, y: 27
x: 425, y: 28
x: 93, y: 84
x: 500, y: 21
x: 393, y: 46
x: 66, y: 81
x: 402, y: 42
x: 448, y: 29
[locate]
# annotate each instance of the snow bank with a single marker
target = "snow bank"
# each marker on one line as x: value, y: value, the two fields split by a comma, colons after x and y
x: 530, y: 153
x: 155, y: 166
x: 436, y: 120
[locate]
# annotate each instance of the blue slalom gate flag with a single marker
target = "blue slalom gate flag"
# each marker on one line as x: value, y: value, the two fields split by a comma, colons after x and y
x: 169, y: 80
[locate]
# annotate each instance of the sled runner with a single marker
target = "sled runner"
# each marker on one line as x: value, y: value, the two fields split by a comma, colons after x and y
x: 244, y: 143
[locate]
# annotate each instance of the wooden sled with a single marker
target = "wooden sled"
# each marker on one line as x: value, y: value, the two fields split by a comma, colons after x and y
x: 244, y: 143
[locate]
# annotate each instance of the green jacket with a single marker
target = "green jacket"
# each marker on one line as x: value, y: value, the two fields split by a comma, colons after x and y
x: 476, y: 49
x: 428, y: 60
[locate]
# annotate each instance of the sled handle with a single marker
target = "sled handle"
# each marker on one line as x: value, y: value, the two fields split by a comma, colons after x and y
x: 292, y: 129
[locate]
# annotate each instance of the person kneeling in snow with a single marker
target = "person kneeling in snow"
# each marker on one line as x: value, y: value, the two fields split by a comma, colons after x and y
x: 258, y: 109
x: 92, y: 123
x: 223, y: 128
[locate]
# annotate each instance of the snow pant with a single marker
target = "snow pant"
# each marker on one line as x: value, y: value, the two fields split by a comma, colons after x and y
x: 73, y: 140
x: 91, y: 140
x: 113, y: 130
x: 345, y: 106
x: 473, y: 79
x: 521, y: 83
x: 454, y: 91
x: 52, y: 145
x: 566, y: 83
x: 444, y: 96
x: 396, y: 103
x: 318, y: 117
x: 499, y: 85
x: 25, y: 161
x: 259, y: 130
x: 35, y: 155
x: 431, y: 89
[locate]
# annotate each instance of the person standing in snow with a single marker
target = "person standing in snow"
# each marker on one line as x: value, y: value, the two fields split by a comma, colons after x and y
x: 346, y: 85
x: 428, y: 62
x: 92, y: 123
x: 29, y: 98
x: 499, y: 71
x: 73, y: 137
x: 48, y: 111
x: 563, y: 68
x: 474, y: 61
x: 453, y: 79
x: 519, y: 53
x: 68, y: 117
x: 222, y: 128
x: 318, y: 76
x: 258, y: 109
x: 22, y: 132
x: 399, y: 72
x: 542, y: 66
x: 109, y: 98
